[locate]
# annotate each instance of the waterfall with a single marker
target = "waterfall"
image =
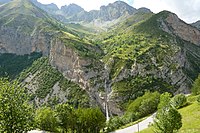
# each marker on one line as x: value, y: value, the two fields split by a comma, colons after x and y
x: 106, y: 101
x: 107, y: 90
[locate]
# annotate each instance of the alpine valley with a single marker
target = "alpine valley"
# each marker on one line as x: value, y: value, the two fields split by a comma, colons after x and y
x: 105, y: 57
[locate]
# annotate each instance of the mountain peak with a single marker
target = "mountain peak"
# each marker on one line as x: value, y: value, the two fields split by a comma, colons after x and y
x: 71, y: 9
x: 115, y: 10
x: 120, y: 2
x: 196, y: 24
x: 144, y: 9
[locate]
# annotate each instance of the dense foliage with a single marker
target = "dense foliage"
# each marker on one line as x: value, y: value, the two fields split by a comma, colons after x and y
x: 66, y: 119
x: 165, y: 99
x: 179, y: 101
x: 16, y: 115
x: 144, y: 105
x: 196, y: 86
x: 168, y: 120
x: 12, y: 65
x: 46, y: 119
x: 141, y: 107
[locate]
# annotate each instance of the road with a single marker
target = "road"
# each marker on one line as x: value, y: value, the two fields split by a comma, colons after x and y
x: 36, y: 131
x: 137, y: 127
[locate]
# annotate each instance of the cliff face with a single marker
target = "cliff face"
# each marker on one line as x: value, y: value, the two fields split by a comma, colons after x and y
x: 88, y: 73
x: 196, y: 24
x: 131, y: 64
x: 12, y: 41
x: 183, y: 30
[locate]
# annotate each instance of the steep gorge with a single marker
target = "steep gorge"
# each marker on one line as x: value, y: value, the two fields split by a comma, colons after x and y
x: 158, y: 53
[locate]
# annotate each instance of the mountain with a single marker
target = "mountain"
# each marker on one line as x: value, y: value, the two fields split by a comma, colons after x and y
x: 49, y: 8
x: 144, y: 10
x: 160, y: 53
x: 71, y: 9
x: 196, y: 24
x: 21, y: 22
x: 57, y: 62
x: 26, y: 34
x: 95, y: 18
x: 110, y: 12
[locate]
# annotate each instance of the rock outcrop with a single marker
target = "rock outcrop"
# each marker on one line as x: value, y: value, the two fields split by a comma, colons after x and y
x: 11, y: 41
x: 196, y: 24
x: 183, y: 30
x: 168, y: 67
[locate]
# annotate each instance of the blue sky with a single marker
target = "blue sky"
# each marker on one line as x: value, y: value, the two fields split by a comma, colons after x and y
x: 187, y: 10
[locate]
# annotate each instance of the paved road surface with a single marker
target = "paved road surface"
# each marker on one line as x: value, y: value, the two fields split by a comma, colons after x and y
x: 36, y: 131
x: 134, y: 128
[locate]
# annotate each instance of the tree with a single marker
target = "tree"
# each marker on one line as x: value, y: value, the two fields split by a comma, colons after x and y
x: 16, y: 115
x: 144, y: 105
x: 66, y: 117
x: 179, y: 101
x: 164, y: 100
x: 46, y: 119
x: 90, y: 120
x: 168, y: 120
x: 150, y: 104
x: 196, y: 86
x: 198, y: 99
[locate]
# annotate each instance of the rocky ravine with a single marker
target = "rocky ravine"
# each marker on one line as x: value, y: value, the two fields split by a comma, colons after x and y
x: 93, y: 75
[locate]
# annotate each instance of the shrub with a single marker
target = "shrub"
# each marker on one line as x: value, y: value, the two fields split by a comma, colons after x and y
x: 196, y: 86
x: 164, y: 100
x: 16, y: 115
x: 144, y: 105
x: 168, y: 120
x: 46, y: 119
x: 179, y: 101
x: 114, y: 123
x: 90, y: 120
x: 198, y: 99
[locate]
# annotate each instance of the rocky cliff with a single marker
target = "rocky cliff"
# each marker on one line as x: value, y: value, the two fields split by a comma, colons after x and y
x: 151, y: 52
x: 196, y: 24
x: 183, y: 30
x: 103, y: 18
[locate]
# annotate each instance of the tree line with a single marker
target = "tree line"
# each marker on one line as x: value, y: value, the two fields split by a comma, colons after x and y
x: 17, y: 115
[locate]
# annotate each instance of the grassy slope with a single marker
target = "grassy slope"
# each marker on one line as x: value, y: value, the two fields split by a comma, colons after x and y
x: 124, y: 45
x: 190, y: 119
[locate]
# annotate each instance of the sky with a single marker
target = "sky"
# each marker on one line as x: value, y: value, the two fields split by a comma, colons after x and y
x: 187, y: 10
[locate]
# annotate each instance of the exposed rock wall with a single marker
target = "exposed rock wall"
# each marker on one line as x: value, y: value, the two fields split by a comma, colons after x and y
x: 183, y: 30
x: 12, y: 41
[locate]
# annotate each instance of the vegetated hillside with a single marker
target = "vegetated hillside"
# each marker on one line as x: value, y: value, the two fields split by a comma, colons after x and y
x: 12, y: 65
x: 151, y: 55
x: 25, y: 29
x: 143, y: 52
x: 22, y: 28
x: 48, y: 86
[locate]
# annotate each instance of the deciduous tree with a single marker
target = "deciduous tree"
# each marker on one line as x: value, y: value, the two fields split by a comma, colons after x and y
x: 16, y: 115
